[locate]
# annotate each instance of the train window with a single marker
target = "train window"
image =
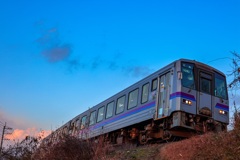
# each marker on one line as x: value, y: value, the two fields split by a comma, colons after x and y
x: 132, y: 99
x: 220, y: 86
x: 71, y: 125
x: 145, y: 93
x: 100, y: 114
x: 154, y: 84
x: 76, y: 126
x: 92, y: 118
x: 83, y: 122
x: 65, y: 130
x: 109, y: 112
x: 205, y: 84
x: 120, y: 104
x: 188, y: 75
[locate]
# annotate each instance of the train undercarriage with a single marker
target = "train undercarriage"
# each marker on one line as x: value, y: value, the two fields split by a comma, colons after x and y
x: 178, y: 125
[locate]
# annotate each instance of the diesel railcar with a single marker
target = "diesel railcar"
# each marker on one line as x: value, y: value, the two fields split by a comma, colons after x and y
x: 181, y: 99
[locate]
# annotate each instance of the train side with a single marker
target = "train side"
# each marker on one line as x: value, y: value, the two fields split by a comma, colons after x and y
x: 159, y: 106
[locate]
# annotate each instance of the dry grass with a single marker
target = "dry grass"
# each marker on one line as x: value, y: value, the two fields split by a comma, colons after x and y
x: 71, y: 148
x: 211, y: 146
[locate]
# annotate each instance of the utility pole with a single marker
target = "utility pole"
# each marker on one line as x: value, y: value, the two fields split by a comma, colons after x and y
x: 3, y: 133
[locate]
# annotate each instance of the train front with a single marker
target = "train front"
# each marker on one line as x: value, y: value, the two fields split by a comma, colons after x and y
x: 202, y: 97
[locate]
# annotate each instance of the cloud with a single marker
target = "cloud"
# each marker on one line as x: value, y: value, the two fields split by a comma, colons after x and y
x: 52, y: 47
x: 54, y: 50
x: 75, y: 64
x: 57, y: 53
x: 137, y: 71
x: 113, y: 65
x: 20, y: 128
x: 48, y: 38
x: 97, y: 61
x: 20, y: 134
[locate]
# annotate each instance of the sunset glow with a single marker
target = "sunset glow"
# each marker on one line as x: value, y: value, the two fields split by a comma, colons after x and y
x: 19, y: 134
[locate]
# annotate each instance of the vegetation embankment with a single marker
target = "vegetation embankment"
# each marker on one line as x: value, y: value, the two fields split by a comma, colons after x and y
x: 219, y: 146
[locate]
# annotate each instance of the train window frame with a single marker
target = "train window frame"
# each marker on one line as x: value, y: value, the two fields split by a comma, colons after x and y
x: 133, y: 99
x: 82, y: 126
x: 92, y: 118
x: 102, y: 114
x: 154, y: 84
x: 120, y: 105
x: 109, y: 113
x: 145, y: 94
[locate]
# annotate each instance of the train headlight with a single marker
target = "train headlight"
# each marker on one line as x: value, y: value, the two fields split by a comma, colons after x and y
x: 222, y: 112
x: 188, y: 102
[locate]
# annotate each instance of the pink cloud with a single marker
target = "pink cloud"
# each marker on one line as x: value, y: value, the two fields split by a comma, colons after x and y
x: 20, y: 134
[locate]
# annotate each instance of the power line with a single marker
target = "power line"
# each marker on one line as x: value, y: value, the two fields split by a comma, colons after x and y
x: 219, y: 59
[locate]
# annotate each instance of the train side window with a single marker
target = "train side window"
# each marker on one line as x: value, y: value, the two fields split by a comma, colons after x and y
x: 132, y: 99
x: 77, y: 124
x: 100, y: 114
x: 83, y: 122
x: 154, y: 84
x: 120, y: 104
x: 145, y: 92
x: 65, y: 130
x: 92, y: 118
x: 109, y: 112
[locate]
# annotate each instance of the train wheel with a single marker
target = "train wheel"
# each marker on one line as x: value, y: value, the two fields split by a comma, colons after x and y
x: 143, y: 138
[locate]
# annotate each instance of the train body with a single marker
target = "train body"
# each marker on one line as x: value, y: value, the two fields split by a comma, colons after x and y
x: 181, y: 99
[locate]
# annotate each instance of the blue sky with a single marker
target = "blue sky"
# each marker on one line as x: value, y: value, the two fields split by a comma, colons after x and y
x: 58, y: 58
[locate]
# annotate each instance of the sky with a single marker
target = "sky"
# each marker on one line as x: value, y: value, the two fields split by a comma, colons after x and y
x: 58, y: 58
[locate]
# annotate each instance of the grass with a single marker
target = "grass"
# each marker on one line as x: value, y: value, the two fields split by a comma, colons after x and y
x: 210, y: 146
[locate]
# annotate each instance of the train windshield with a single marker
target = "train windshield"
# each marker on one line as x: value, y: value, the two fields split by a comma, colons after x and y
x: 220, y: 86
x: 188, y: 75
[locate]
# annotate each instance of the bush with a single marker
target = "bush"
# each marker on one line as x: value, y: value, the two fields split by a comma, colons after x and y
x: 71, y: 148
x: 223, y: 145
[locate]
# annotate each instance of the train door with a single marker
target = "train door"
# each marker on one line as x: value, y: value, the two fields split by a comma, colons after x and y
x: 204, y: 94
x: 163, y: 92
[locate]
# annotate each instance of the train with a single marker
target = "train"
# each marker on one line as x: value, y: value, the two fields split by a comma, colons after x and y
x: 182, y: 99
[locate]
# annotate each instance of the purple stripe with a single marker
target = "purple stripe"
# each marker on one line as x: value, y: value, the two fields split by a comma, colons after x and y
x: 222, y: 106
x: 182, y: 95
x: 121, y: 116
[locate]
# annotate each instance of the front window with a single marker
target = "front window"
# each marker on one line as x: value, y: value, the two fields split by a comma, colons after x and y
x: 220, y: 86
x: 205, y: 85
x: 188, y: 75
x: 205, y: 82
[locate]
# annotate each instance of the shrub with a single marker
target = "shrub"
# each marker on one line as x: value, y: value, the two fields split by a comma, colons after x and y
x: 71, y: 148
